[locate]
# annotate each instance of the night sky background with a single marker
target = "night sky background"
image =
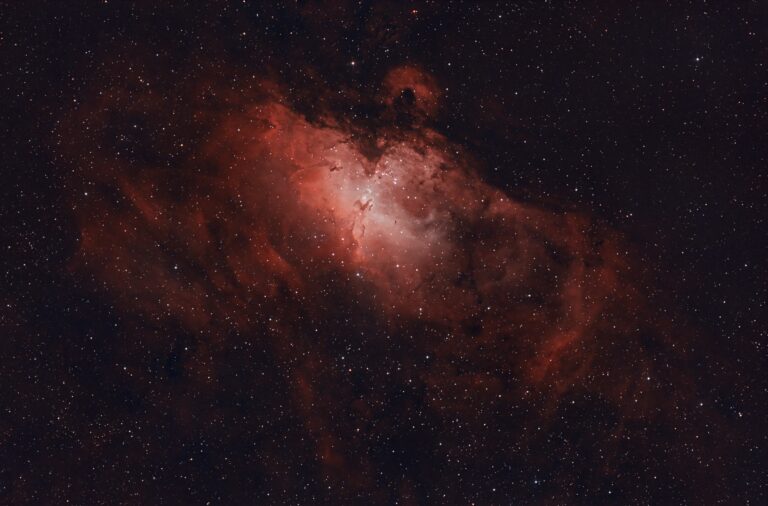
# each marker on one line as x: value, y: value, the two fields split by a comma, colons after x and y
x: 557, y: 296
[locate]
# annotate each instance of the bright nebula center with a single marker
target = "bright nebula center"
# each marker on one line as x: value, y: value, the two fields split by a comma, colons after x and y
x: 389, y: 215
x: 381, y: 206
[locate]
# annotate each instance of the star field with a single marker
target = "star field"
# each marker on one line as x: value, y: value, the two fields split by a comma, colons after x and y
x: 383, y: 253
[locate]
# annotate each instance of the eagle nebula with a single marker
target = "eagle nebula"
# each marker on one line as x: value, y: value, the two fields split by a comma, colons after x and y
x: 314, y: 293
x: 420, y: 317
